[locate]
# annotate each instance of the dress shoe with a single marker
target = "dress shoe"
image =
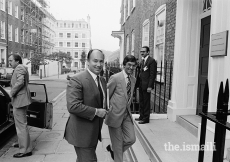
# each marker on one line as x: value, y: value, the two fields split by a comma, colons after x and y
x: 138, y: 119
x: 16, y: 145
x: 20, y: 155
x: 108, y: 148
x: 143, y: 122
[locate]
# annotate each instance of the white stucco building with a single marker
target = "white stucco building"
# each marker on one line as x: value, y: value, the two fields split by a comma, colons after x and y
x: 73, y: 37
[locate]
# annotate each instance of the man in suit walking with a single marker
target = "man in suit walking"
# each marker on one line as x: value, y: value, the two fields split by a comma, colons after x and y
x: 119, y: 117
x: 86, y: 103
x: 147, y: 78
x: 20, y: 100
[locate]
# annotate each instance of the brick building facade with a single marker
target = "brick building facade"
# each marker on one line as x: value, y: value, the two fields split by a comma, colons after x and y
x: 151, y: 23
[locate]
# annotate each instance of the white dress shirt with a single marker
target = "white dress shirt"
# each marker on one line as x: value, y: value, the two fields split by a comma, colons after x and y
x: 95, y: 80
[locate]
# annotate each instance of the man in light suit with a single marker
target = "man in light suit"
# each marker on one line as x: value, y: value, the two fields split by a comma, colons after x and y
x: 86, y: 103
x: 147, y: 78
x: 119, y: 118
x: 20, y: 100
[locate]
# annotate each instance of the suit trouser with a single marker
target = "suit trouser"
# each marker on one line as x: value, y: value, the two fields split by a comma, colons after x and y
x: 144, y: 98
x: 87, y: 154
x: 122, y: 137
x: 20, y: 120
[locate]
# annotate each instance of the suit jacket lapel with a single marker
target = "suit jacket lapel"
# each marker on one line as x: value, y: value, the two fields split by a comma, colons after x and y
x: 123, y: 84
x: 93, y: 86
x: 146, y: 62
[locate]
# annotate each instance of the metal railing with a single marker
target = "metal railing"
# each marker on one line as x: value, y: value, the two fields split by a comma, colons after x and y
x: 162, y: 87
x: 219, y: 118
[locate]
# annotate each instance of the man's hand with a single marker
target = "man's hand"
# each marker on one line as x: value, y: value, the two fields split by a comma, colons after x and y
x: 149, y: 90
x: 101, y: 113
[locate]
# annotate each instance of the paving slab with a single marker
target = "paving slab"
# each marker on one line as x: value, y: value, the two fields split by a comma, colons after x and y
x: 46, y: 147
x: 60, y: 158
x: 65, y: 148
x: 59, y: 111
x: 33, y: 158
x: 51, y: 136
x: 66, y: 115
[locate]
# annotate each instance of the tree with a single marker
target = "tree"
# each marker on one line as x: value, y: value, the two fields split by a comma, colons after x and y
x: 61, y: 56
x: 38, y: 59
x: 83, y: 58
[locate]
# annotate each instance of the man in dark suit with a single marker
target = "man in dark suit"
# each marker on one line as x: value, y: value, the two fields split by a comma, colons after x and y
x: 147, y: 78
x: 20, y: 100
x: 86, y: 103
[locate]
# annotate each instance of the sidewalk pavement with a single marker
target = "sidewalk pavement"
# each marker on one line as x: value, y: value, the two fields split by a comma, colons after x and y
x: 49, y: 145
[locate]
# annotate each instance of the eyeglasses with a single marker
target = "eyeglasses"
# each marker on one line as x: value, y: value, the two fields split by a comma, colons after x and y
x: 143, y: 51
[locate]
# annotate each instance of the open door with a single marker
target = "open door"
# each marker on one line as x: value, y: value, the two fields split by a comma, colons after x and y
x: 4, y: 106
x: 40, y: 111
x: 203, y: 60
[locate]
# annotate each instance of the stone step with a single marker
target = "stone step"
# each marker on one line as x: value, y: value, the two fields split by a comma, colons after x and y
x: 190, y: 123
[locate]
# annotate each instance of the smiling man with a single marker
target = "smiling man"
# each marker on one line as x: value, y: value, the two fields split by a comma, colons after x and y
x: 85, y: 96
x: 119, y: 118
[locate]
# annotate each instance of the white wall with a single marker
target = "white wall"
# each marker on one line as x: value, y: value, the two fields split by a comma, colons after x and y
x: 186, y: 55
x: 50, y: 69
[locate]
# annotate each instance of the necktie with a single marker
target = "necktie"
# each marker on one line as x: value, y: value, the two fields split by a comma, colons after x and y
x: 128, y: 87
x: 143, y: 64
x: 100, y: 90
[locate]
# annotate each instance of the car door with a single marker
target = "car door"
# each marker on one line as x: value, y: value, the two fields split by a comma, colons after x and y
x: 4, y: 106
x: 40, y: 111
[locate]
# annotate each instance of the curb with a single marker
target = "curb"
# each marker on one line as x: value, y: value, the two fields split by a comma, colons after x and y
x: 58, y: 98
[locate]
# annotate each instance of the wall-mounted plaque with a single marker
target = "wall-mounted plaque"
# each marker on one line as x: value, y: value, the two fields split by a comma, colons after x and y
x: 219, y: 44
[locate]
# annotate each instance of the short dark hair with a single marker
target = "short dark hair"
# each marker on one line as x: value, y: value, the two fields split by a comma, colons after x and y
x: 129, y: 58
x: 91, y: 51
x: 17, y: 58
x: 147, y: 48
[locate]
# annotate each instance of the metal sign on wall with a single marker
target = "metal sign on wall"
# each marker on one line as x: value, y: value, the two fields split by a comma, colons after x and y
x: 219, y: 44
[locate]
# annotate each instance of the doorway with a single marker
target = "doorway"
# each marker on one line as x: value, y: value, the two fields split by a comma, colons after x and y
x: 203, y: 60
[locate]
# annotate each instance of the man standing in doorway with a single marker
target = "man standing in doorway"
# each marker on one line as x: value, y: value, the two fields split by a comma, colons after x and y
x: 86, y: 103
x: 20, y: 100
x: 147, y: 78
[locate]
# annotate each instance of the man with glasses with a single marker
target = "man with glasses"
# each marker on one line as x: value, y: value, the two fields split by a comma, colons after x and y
x: 119, y: 117
x: 147, y: 78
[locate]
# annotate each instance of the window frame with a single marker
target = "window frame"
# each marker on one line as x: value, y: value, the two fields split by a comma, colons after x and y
x: 16, y: 35
x: 16, y: 13
x: 3, y: 2
x: 146, y: 22
x: 133, y: 42
x: 157, y: 45
x: 3, y: 30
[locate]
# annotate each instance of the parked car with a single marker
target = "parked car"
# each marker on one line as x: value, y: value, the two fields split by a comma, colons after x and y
x: 5, y: 76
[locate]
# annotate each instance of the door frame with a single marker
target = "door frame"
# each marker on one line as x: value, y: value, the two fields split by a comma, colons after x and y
x: 202, y: 16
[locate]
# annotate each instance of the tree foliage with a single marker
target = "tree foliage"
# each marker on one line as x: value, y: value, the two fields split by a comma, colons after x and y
x: 61, y: 56
x: 83, y: 57
x: 37, y: 59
